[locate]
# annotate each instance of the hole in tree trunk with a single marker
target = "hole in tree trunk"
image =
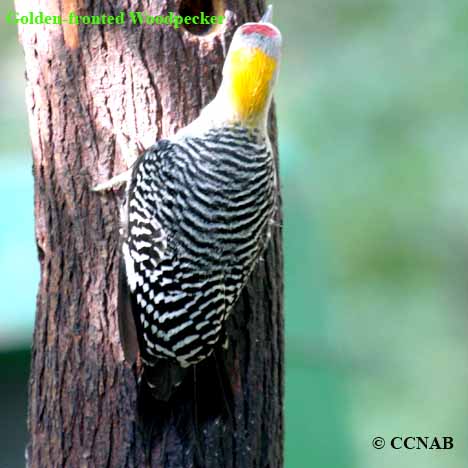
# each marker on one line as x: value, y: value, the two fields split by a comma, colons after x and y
x: 195, y: 8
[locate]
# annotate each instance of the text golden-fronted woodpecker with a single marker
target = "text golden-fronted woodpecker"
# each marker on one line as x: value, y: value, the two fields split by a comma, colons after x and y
x: 199, y: 209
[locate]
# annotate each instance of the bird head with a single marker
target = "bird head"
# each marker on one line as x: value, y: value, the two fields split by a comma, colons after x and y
x: 250, y: 71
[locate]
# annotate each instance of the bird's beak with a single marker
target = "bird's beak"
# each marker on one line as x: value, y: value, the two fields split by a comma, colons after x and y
x: 268, y: 16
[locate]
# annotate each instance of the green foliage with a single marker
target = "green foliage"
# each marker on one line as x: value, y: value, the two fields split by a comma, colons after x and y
x: 372, y: 113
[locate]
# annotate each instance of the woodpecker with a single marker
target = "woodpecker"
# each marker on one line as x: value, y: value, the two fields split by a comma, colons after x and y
x: 199, y: 209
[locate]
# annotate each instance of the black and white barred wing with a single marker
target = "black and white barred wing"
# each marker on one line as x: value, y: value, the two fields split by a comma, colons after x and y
x: 142, y: 246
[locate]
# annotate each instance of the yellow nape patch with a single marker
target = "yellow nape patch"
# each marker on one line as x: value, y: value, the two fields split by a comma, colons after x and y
x: 251, y: 72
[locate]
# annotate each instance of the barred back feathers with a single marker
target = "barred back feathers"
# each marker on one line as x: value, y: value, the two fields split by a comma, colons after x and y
x: 198, y: 221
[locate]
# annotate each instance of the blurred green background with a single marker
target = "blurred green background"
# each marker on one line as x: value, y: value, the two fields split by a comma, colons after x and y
x: 373, y: 119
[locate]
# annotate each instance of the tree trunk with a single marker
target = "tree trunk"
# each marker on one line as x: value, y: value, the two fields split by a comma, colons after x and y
x: 84, y: 83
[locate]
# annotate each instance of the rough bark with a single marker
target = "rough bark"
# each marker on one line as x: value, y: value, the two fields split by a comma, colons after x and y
x: 83, y: 83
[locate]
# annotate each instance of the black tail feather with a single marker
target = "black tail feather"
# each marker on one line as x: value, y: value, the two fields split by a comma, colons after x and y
x: 181, y: 404
x: 163, y: 378
x: 155, y: 409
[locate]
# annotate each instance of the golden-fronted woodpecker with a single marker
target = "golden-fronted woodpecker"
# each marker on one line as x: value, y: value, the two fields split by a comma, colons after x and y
x: 199, y: 207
